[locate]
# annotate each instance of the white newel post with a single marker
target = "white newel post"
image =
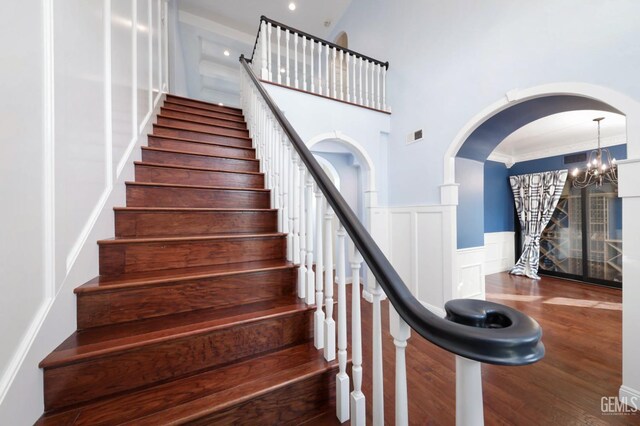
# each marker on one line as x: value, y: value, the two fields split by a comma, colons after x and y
x: 469, y: 404
x: 329, y: 322
x: 401, y: 332
x: 264, y: 73
x: 318, y: 335
x: 308, y: 199
x: 358, y: 405
x: 378, y: 378
x: 342, y: 379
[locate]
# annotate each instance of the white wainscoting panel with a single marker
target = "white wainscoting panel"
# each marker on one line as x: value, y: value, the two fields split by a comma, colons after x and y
x: 499, y: 252
x: 419, y: 243
x: 470, y: 273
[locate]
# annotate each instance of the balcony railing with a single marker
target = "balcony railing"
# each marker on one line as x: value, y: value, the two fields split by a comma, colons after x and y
x: 295, y: 59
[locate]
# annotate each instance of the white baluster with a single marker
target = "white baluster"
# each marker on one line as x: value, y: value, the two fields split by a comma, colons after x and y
x: 304, y: 63
x: 320, y: 68
x: 319, y: 314
x: 278, y: 31
x: 341, y: 78
x: 401, y: 332
x: 295, y: 61
x: 378, y: 94
x: 326, y: 71
x: 334, y: 51
x: 342, y: 379
x: 264, y: 74
x: 293, y: 167
x: 286, y: 213
x: 295, y: 205
x: 366, y: 83
x: 329, y: 322
x: 286, y: 33
x: 302, y: 270
x: 358, y: 405
x: 309, y: 212
x: 348, y: 72
x: 269, y: 53
x: 384, y: 88
x: 372, y: 96
x: 377, y: 376
x: 469, y: 404
x: 312, y: 80
x: 276, y: 179
x: 360, y: 94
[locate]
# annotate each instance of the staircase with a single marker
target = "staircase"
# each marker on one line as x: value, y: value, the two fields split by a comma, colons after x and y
x: 194, y: 316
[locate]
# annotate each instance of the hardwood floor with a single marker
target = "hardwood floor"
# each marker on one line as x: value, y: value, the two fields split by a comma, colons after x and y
x: 582, y: 327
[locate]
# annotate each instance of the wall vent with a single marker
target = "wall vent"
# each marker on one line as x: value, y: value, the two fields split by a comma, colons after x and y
x: 414, y: 137
x: 575, y: 158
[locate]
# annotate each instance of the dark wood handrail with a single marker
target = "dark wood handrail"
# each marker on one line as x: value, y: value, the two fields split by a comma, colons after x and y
x: 313, y: 38
x: 475, y: 329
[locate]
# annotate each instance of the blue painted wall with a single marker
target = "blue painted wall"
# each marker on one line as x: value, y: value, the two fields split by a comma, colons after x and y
x: 469, y: 174
x: 498, y: 199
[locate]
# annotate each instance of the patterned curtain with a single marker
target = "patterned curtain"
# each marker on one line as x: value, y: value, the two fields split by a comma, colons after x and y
x: 536, y: 196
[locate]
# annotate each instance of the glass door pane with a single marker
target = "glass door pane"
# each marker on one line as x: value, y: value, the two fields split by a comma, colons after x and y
x: 604, y: 233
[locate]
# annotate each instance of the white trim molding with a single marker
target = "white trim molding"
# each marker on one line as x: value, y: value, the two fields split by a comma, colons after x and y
x: 499, y: 252
x: 470, y: 283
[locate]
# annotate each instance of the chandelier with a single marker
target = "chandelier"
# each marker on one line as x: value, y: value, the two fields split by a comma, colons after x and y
x: 601, y: 167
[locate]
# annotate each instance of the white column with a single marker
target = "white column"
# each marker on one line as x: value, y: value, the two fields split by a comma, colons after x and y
x: 269, y: 53
x: 295, y: 61
x: 377, y: 376
x: 309, y: 197
x: 469, y: 406
x: 264, y: 73
x: 302, y: 270
x: 358, y: 405
x: 342, y: 379
x: 334, y: 92
x: 401, y: 332
x: 278, y: 31
x: 304, y: 64
x: 312, y: 79
x: 318, y: 335
x: 286, y: 36
x: 329, y: 322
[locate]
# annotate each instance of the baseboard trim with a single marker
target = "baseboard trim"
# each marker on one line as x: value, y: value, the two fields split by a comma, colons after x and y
x: 630, y: 397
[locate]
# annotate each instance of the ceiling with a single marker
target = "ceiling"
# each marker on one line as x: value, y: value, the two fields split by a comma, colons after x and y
x: 208, y: 28
x: 559, y: 134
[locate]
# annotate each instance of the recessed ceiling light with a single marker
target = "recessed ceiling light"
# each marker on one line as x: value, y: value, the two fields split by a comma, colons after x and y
x: 220, y: 103
x: 292, y: 6
x: 226, y: 52
x: 282, y: 71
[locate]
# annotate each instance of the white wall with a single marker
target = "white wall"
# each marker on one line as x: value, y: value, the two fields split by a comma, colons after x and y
x: 499, y: 252
x: 80, y: 89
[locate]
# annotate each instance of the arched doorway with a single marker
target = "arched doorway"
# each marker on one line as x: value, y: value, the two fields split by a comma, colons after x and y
x: 629, y: 171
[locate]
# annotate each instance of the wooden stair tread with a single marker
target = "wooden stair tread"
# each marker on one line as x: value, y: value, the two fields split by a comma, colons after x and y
x: 173, y: 151
x: 102, y: 341
x: 178, y: 138
x: 109, y: 283
x: 231, y: 118
x: 190, y: 209
x: 165, y: 126
x: 181, y: 185
x: 195, y: 121
x: 145, y: 240
x: 174, y: 106
x: 209, y: 390
x: 203, y: 169
x: 233, y: 110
